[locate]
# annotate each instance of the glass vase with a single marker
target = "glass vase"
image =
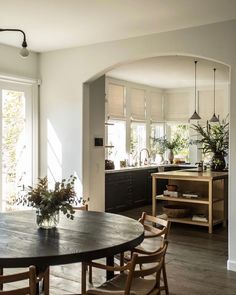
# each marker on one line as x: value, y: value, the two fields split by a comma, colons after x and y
x: 47, y: 221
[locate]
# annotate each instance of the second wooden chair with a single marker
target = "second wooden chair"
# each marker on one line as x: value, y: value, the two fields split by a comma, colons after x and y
x: 29, y: 275
x: 132, y: 280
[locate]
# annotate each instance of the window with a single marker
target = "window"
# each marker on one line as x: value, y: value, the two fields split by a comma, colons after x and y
x: 116, y: 101
x: 157, y: 130
x: 182, y: 130
x: 116, y: 138
x: 16, y: 165
x: 138, y: 104
x: 138, y: 138
x: 156, y: 108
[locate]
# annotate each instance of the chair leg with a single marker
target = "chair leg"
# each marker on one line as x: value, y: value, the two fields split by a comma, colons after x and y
x: 165, y: 278
x: 1, y: 273
x: 122, y: 259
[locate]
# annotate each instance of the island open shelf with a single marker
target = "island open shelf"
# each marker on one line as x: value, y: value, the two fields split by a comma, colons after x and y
x: 212, y: 188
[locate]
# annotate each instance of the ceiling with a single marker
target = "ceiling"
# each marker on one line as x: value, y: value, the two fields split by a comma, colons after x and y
x: 58, y: 24
x: 172, y: 72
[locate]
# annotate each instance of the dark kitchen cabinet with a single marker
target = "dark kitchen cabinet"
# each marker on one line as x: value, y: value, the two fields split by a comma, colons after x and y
x: 118, y: 191
x: 139, y: 187
x: 126, y: 190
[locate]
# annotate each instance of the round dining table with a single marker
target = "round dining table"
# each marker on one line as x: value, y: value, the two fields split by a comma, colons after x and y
x: 90, y: 235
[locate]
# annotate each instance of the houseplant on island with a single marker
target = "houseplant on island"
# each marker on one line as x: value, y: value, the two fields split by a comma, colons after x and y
x: 48, y: 202
x: 214, y: 139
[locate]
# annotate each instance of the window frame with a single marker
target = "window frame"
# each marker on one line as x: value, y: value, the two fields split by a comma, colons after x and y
x: 30, y: 89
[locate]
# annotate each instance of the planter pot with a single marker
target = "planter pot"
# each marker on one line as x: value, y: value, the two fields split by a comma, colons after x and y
x: 171, y: 156
x: 47, y: 221
x: 217, y: 162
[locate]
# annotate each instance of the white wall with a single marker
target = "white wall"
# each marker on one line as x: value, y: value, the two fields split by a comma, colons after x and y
x: 96, y: 129
x: 11, y: 63
x: 65, y: 71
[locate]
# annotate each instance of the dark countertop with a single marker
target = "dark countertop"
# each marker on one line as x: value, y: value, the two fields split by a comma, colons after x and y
x: 159, y: 166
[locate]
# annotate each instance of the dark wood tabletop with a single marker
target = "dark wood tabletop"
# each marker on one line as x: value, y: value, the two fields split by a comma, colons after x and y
x: 91, y: 235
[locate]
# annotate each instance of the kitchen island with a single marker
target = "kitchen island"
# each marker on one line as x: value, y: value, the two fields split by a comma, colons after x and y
x: 208, y: 190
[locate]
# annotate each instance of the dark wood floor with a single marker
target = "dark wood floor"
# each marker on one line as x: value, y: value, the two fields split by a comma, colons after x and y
x: 196, y: 263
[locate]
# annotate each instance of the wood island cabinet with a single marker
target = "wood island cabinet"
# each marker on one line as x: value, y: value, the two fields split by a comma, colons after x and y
x: 211, y: 188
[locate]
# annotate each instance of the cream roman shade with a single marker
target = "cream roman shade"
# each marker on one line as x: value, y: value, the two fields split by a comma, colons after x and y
x: 116, y: 101
x: 178, y: 106
x: 156, y: 111
x: 137, y: 104
x: 206, y: 104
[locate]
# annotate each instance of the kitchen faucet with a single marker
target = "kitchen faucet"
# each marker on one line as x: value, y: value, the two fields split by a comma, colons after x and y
x: 140, y: 153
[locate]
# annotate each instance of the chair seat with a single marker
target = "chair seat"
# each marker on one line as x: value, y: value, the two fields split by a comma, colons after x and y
x: 150, y: 245
x: 116, y: 286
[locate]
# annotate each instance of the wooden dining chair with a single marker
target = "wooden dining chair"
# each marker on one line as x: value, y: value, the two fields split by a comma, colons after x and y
x: 29, y: 275
x: 156, y: 232
x: 40, y: 277
x: 132, y: 279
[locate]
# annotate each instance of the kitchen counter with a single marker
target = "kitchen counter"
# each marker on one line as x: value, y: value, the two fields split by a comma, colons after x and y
x: 160, y: 167
x: 191, y: 174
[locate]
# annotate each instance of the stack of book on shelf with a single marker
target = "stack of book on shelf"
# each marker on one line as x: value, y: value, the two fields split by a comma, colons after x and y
x: 190, y: 195
x: 199, y: 217
x: 173, y: 194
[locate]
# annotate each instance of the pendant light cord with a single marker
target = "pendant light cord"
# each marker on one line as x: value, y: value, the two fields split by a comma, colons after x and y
x: 195, y: 85
x: 214, y: 90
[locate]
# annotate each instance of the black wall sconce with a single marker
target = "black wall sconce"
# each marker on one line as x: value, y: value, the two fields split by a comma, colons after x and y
x: 24, y: 51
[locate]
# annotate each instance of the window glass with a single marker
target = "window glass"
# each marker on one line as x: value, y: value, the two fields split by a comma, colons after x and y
x: 116, y: 141
x: 137, y: 138
x: 157, y: 130
x: 16, y: 144
x: 181, y: 130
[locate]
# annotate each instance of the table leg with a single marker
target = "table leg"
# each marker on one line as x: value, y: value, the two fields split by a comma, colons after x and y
x: 83, y: 277
x: 110, y: 261
x: 43, y: 280
x: 46, y: 281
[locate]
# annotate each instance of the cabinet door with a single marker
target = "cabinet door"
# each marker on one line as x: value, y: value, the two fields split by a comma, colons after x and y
x: 139, y: 194
x: 118, y: 191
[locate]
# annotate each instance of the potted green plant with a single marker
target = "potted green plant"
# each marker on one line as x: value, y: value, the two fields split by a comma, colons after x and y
x: 174, y: 145
x: 48, y: 202
x: 214, y: 139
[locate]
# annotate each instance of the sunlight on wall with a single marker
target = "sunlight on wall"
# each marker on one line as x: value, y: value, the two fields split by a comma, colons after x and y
x: 54, y: 155
x: 78, y: 186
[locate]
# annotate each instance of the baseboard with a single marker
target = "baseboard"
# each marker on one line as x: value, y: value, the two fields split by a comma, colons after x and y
x: 231, y: 265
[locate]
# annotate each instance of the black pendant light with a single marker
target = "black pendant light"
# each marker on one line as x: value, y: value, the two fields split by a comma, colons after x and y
x: 195, y: 115
x: 214, y: 119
